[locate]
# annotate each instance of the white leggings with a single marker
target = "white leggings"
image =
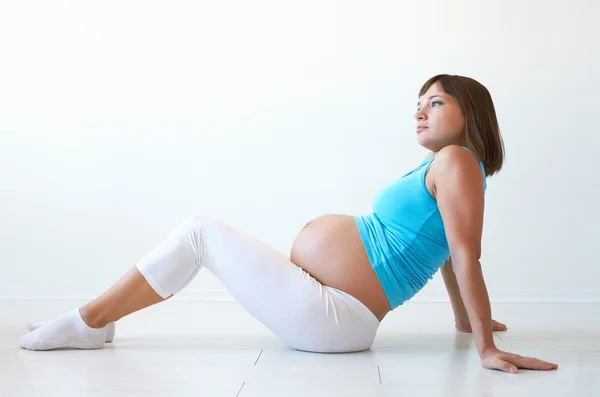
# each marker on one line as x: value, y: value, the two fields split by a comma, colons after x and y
x: 302, y: 312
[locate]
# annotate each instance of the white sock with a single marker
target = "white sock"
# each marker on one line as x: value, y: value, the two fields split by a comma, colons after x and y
x: 110, y: 330
x: 66, y: 331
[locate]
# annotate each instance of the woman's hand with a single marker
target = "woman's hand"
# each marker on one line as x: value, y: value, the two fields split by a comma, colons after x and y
x: 508, y: 362
x: 465, y: 326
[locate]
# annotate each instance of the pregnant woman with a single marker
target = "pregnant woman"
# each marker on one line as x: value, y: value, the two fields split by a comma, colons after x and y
x: 345, y: 273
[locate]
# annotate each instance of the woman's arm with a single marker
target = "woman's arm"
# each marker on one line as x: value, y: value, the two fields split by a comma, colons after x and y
x: 459, y: 192
x: 461, y: 316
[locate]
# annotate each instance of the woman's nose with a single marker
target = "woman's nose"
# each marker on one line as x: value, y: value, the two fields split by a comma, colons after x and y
x: 420, y: 115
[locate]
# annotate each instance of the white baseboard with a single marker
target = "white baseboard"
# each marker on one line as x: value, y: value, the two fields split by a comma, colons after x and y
x: 222, y: 295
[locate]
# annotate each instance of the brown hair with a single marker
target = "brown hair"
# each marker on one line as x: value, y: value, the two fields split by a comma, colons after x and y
x: 482, y: 133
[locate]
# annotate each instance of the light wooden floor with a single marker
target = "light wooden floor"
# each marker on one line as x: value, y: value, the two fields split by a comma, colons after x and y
x: 199, y: 349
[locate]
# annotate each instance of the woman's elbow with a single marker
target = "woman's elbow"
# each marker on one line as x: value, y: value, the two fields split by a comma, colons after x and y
x: 464, y: 257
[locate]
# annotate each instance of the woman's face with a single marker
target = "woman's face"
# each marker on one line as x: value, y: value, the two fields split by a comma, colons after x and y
x: 440, y: 121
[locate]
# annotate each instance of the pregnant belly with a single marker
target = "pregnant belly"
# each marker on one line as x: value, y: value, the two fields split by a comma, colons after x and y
x: 329, y: 248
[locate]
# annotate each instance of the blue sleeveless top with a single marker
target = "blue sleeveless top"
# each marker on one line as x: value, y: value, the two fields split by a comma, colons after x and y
x: 404, y: 236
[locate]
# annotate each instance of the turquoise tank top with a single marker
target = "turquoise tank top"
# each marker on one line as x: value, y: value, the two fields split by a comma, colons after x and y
x: 404, y: 236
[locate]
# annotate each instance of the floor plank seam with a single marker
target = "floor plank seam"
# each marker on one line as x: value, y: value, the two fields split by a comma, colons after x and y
x: 259, y: 354
x: 239, y: 391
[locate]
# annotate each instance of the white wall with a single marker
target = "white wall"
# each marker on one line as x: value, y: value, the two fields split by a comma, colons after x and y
x: 119, y: 118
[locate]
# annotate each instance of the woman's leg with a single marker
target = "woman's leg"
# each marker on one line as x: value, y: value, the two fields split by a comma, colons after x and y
x: 129, y: 294
x: 286, y: 299
x: 301, y: 311
x: 86, y: 328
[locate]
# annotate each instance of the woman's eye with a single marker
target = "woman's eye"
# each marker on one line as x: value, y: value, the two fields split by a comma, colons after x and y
x: 432, y: 104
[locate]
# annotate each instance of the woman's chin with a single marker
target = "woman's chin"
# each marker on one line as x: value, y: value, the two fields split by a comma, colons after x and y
x: 426, y: 143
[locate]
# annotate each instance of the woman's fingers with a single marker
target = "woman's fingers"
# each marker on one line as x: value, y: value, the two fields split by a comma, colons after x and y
x: 509, y: 362
x: 496, y: 326
x: 532, y: 363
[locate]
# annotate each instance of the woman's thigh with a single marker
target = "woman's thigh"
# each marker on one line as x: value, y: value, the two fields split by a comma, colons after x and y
x: 286, y: 299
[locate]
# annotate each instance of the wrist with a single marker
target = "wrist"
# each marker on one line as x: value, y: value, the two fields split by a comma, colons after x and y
x: 462, y: 319
x: 488, y: 350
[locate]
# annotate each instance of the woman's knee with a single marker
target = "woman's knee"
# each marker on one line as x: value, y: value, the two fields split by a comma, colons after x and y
x: 198, y: 220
